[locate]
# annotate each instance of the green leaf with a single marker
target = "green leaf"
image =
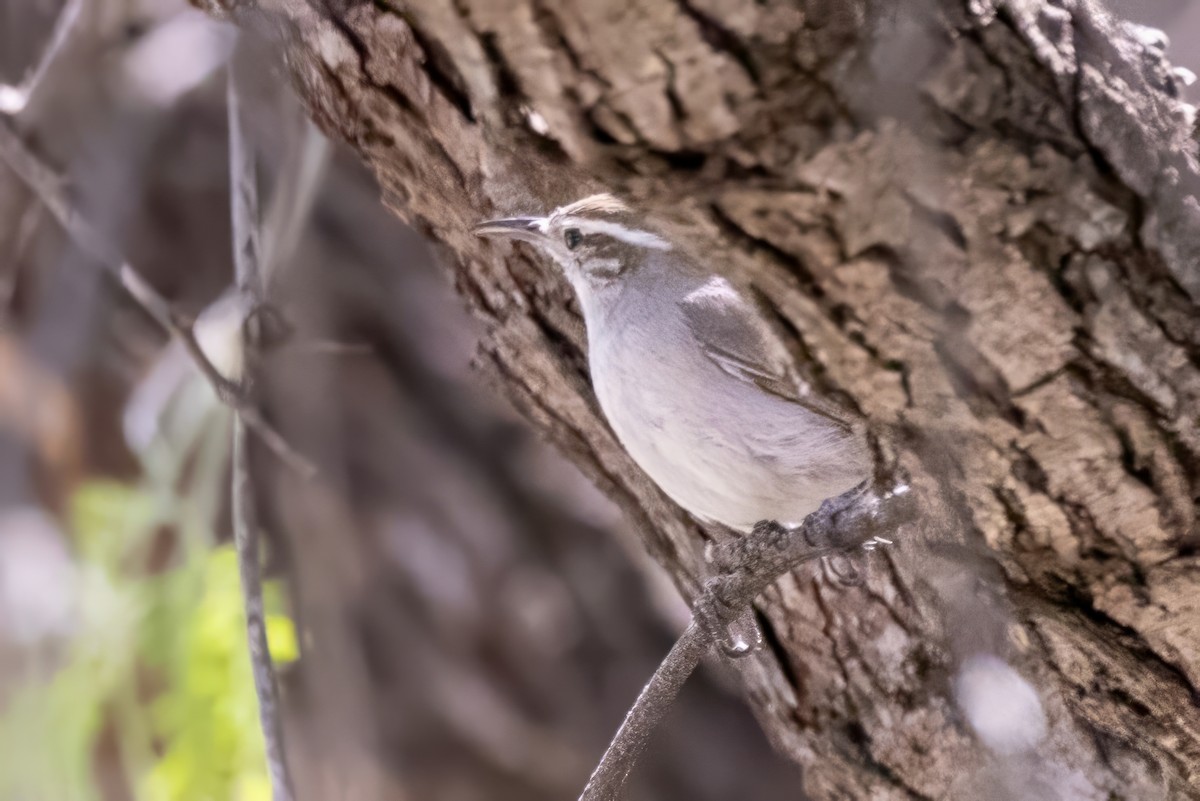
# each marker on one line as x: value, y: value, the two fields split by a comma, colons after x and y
x: 159, y: 663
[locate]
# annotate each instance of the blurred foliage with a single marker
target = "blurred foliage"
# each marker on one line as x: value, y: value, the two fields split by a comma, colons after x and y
x: 158, y: 667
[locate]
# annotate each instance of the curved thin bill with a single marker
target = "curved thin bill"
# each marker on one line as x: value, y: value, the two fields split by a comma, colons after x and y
x: 527, y: 228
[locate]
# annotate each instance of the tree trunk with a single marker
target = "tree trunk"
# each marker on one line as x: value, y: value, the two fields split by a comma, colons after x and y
x: 979, y: 223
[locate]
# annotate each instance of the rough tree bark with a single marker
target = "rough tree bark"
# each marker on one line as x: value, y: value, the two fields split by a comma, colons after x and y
x: 979, y: 222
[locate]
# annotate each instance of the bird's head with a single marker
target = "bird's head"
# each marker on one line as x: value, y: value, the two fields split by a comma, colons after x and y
x: 597, y: 241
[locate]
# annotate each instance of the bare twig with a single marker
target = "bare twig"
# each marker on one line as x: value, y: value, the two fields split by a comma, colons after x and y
x: 245, y: 533
x: 746, y: 566
x: 243, y: 188
x: 244, y: 209
x: 14, y: 99
x: 647, y: 712
x: 50, y: 189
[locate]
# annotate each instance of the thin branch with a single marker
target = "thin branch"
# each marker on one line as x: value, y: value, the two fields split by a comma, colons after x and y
x: 747, y: 566
x: 245, y: 534
x: 647, y: 712
x: 244, y: 210
x: 50, y: 189
x: 14, y: 99
x: 243, y: 189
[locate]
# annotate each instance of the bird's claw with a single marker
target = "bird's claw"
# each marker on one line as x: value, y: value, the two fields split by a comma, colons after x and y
x: 734, y: 630
x: 844, y: 570
x: 746, y: 565
x: 848, y: 569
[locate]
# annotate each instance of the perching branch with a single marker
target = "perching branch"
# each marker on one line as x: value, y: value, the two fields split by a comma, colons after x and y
x: 244, y: 210
x: 49, y: 187
x: 608, y: 779
x: 746, y: 567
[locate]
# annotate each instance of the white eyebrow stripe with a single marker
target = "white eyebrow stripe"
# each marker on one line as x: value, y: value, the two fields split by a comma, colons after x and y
x: 630, y: 236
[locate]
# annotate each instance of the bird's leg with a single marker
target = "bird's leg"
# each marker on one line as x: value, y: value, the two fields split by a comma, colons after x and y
x: 746, y: 566
x: 844, y: 569
x: 849, y: 569
x: 724, y: 619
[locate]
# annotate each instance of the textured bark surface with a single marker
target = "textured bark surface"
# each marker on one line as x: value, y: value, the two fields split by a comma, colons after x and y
x: 979, y: 223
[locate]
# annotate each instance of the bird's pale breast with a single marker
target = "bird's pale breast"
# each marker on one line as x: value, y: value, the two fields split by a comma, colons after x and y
x: 722, y: 448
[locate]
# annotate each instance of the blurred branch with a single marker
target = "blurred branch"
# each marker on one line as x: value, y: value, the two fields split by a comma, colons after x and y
x: 292, y: 201
x: 746, y: 567
x: 245, y: 534
x: 13, y: 99
x: 26, y: 228
x: 49, y: 187
x: 243, y: 189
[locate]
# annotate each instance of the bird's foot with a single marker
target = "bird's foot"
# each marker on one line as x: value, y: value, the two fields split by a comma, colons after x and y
x: 837, y: 533
x: 850, y: 569
x: 844, y: 569
x: 745, y: 566
x: 728, y: 623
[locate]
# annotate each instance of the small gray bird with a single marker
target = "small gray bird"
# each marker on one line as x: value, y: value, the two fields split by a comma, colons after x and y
x: 692, y: 379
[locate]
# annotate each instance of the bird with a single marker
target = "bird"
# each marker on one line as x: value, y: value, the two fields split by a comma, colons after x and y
x: 696, y: 384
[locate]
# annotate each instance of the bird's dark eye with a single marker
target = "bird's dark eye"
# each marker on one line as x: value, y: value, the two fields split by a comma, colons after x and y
x: 573, y: 237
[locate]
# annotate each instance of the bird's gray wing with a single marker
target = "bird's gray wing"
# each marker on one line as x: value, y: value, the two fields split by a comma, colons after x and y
x: 734, y: 334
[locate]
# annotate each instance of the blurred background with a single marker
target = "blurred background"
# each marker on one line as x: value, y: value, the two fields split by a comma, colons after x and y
x: 454, y: 611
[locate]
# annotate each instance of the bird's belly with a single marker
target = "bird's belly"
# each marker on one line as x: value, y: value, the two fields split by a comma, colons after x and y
x: 753, y: 457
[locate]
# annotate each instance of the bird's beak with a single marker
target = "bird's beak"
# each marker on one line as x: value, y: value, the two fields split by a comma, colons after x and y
x: 528, y: 229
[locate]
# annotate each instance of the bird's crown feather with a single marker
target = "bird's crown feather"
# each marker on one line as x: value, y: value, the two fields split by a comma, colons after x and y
x: 601, y: 204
